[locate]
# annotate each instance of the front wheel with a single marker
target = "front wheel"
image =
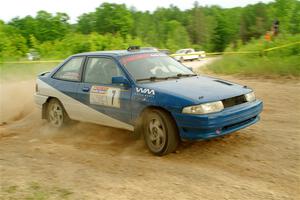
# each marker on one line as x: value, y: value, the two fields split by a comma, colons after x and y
x: 56, y: 114
x: 160, y: 132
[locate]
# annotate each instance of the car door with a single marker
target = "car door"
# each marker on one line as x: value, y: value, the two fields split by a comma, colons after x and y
x: 66, y: 81
x: 98, y: 92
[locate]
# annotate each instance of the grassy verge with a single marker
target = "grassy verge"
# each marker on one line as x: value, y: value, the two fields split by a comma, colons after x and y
x: 34, y: 191
x: 284, y: 61
x: 23, y: 71
x: 264, y: 66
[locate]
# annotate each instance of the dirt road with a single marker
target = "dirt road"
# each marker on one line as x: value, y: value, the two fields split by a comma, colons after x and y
x: 87, y: 161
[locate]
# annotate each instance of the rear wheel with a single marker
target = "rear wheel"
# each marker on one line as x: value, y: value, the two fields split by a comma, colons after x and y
x: 56, y: 114
x: 160, y: 132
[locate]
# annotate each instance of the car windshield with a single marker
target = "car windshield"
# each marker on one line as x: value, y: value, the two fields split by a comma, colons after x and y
x: 154, y: 66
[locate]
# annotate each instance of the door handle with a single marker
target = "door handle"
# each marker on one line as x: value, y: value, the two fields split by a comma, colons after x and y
x: 86, y: 89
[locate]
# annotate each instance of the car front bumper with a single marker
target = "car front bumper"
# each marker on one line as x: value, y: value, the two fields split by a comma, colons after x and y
x: 200, y: 127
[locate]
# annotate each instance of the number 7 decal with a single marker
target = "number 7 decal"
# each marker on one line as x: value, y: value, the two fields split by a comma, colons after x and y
x: 113, y: 97
x: 105, y: 96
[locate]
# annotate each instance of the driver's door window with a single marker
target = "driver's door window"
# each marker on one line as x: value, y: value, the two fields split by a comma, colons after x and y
x: 101, y: 71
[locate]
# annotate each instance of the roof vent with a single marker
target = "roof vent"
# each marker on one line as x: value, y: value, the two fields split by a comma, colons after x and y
x: 133, y: 48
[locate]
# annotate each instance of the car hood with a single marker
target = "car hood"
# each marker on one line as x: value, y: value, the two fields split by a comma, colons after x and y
x: 198, y: 89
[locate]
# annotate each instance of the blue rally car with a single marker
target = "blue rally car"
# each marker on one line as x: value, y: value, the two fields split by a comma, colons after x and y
x: 146, y: 92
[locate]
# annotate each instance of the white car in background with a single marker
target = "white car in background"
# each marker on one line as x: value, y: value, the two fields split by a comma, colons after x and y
x: 189, y: 54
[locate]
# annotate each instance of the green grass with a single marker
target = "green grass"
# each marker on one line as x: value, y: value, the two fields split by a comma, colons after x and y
x: 11, y: 189
x: 23, y: 71
x: 264, y: 66
x: 34, y: 191
x: 278, y: 62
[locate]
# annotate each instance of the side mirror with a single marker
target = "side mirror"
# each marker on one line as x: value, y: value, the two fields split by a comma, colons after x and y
x: 120, y: 80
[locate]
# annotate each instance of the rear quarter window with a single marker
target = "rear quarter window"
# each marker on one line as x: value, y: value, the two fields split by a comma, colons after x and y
x: 71, y: 70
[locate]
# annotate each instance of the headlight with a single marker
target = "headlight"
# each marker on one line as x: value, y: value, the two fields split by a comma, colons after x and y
x: 204, y: 108
x: 250, y: 97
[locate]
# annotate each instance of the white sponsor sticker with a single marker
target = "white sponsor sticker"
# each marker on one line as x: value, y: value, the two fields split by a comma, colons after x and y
x: 145, y: 91
x: 105, y: 96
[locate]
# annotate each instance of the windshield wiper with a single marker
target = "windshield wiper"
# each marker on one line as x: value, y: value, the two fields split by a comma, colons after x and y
x: 185, y: 75
x: 182, y: 75
x: 152, y: 78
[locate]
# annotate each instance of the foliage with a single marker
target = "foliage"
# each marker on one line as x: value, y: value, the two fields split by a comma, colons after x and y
x: 263, y: 66
x: 260, y: 44
x: 76, y: 43
x: 12, y: 44
x: 115, y: 26
x: 282, y: 61
x: 220, y: 37
x: 44, y: 27
x: 108, y: 18
x: 177, y: 36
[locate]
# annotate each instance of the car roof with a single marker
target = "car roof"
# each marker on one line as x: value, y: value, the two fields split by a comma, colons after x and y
x: 184, y: 49
x: 115, y: 53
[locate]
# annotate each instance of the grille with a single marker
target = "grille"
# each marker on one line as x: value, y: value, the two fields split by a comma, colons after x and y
x: 239, y: 123
x: 234, y: 101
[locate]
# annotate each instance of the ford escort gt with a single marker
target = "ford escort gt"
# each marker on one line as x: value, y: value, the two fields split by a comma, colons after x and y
x: 146, y: 92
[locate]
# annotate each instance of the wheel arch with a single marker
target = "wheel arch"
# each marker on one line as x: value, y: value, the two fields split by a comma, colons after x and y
x: 139, y: 120
x: 45, y: 105
x: 151, y: 107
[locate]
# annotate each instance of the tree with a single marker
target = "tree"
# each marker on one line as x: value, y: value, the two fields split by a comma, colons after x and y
x: 86, y: 23
x: 255, y: 22
x: 177, y: 36
x: 114, y: 26
x: 198, y: 26
x: 44, y: 27
x: 294, y: 24
x: 113, y: 18
x: 221, y: 35
x: 51, y: 27
x: 282, y: 11
x: 12, y: 44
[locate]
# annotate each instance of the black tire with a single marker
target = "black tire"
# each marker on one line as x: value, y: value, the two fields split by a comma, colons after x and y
x: 56, y: 113
x: 160, y: 132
